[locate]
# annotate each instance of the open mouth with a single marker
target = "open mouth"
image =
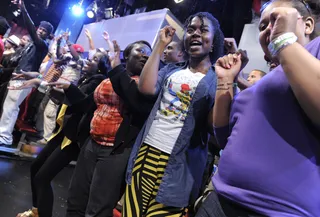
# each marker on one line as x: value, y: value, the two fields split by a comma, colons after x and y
x: 195, y: 43
x: 86, y: 65
x: 143, y: 61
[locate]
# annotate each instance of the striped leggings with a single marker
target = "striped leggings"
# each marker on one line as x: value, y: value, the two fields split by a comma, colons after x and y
x: 146, y: 178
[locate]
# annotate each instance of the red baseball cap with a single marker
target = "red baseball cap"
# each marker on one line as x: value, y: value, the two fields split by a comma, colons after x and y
x: 78, y: 48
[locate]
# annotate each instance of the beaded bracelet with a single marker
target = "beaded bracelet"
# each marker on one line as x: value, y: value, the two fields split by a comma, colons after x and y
x: 281, y: 42
x: 226, y: 86
x: 40, y: 76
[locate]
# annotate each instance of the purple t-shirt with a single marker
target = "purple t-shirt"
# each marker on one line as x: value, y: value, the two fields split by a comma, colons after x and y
x: 271, y: 162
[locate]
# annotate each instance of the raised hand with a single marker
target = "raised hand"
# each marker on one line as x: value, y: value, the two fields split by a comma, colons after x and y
x: 26, y: 85
x: 244, y: 58
x: 106, y: 36
x: 66, y: 36
x: 114, y: 57
x: 230, y: 45
x: 166, y: 35
x: 88, y: 33
x: 60, y: 85
x: 228, y: 66
x: 283, y: 20
x: 59, y: 38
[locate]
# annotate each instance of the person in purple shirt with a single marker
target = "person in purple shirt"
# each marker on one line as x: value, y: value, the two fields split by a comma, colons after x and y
x: 270, y: 134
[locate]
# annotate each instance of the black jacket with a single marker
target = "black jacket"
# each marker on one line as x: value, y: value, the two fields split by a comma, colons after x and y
x: 137, y: 108
x: 76, y: 124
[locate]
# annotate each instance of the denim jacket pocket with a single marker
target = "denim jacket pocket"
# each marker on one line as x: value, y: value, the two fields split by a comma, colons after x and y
x: 177, y: 179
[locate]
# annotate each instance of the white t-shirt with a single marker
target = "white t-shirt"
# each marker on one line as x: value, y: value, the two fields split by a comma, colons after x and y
x: 177, y: 95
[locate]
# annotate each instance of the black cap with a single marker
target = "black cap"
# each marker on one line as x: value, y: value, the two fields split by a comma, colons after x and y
x: 47, y: 26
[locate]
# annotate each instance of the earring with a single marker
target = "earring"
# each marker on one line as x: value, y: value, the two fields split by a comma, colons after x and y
x: 211, y: 49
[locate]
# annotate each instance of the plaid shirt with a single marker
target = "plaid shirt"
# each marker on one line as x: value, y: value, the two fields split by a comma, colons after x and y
x: 107, y: 117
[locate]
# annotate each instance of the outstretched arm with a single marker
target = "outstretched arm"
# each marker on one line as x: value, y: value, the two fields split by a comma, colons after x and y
x: 106, y: 37
x: 28, y: 22
x: 59, y: 49
x: 53, y: 49
x: 89, y: 37
x: 73, y: 52
x: 227, y: 69
x: 73, y: 93
x: 149, y: 74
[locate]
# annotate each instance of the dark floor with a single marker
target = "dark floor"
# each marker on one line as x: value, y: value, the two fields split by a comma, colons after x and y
x: 15, y: 192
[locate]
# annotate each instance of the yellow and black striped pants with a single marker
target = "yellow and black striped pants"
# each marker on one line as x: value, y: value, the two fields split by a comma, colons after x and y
x: 146, y: 178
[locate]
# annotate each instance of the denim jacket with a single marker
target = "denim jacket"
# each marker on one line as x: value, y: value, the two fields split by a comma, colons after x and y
x: 183, y: 175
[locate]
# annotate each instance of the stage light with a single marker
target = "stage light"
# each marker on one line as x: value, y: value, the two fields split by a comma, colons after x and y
x: 92, y: 10
x: 178, y: 1
x: 108, y: 13
x: 90, y: 14
x: 77, y: 10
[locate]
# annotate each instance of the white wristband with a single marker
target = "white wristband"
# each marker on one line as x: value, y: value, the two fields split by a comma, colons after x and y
x: 281, y: 42
x: 43, y: 87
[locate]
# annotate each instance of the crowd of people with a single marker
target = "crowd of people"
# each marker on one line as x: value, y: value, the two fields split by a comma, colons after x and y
x: 140, y: 130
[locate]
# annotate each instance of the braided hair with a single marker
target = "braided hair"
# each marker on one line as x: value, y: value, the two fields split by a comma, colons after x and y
x: 218, y: 37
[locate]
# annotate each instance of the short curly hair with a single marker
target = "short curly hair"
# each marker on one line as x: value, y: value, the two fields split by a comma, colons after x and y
x: 218, y: 38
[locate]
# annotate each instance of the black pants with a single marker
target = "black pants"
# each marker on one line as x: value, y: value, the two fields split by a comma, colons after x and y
x: 98, y: 181
x: 46, y: 166
x: 217, y: 206
x: 33, y: 107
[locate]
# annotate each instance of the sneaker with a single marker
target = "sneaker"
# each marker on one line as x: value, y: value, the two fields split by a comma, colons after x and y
x: 42, y: 142
x: 30, y: 213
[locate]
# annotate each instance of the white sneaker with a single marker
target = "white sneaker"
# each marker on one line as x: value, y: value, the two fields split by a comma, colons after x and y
x: 42, y: 142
